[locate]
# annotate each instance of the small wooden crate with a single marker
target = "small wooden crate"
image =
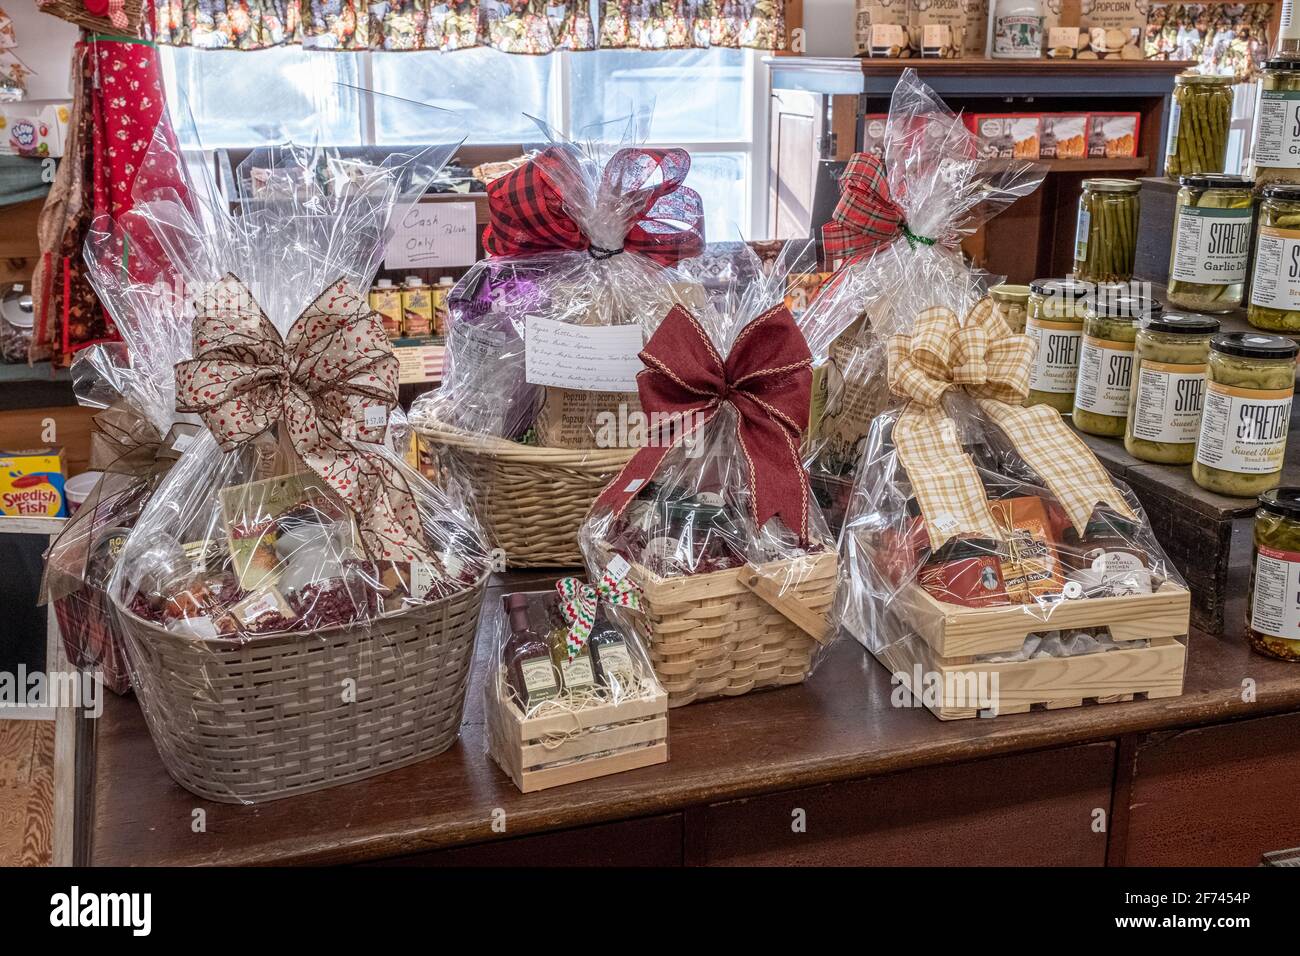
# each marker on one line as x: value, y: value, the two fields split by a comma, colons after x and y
x: 946, y: 638
x: 542, y: 752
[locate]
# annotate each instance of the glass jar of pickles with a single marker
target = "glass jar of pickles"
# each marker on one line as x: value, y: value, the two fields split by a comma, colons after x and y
x: 1011, y: 302
x: 1273, y: 602
x: 1106, y: 360
x: 1198, y: 125
x: 1275, y: 277
x: 1168, y: 387
x: 1054, y: 319
x: 1250, y: 378
x: 1212, y: 233
x: 1276, y: 154
x: 1105, y: 236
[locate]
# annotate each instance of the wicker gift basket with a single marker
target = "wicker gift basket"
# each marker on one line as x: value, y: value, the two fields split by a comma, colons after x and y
x: 538, y: 407
x: 121, y: 17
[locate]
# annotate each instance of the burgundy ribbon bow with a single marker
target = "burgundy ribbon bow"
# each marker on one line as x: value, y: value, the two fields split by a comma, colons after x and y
x: 866, y: 217
x: 526, y: 207
x: 767, y: 380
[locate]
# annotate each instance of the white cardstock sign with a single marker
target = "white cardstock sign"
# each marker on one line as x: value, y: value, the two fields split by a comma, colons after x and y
x: 593, y: 358
x: 433, y: 234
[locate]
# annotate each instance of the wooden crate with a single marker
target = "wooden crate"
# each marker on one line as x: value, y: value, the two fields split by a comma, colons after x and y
x: 542, y: 752
x: 946, y: 638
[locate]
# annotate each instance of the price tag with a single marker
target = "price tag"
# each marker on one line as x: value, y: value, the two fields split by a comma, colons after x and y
x: 618, y: 567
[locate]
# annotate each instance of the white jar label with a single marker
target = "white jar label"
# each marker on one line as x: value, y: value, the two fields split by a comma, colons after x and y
x: 1276, y: 280
x: 1211, y: 245
x: 1056, y: 363
x: 1275, y: 601
x: 1243, y: 430
x: 1105, y: 372
x: 1168, y: 404
x: 1175, y: 117
x: 577, y: 673
x: 1277, y: 130
x: 1018, y: 35
x: 1081, y: 228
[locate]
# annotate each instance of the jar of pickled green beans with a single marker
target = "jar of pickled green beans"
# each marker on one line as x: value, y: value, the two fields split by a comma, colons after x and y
x: 1275, y: 277
x: 1105, y: 236
x: 1213, y: 216
x: 1168, y: 387
x: 1106, y: 360
x: 1249, y: 382
x: 1198, y: 125
x: 1273, y: 608
x: 1276, y: 153
x: 1011, y: 302
x: 1054, y: 319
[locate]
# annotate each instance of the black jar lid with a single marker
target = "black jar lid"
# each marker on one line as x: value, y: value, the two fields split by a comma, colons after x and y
x: 1282, y: 63
x: 1216, y: 181
x: 1282, y: 501
x: 1287, y: 192
x: 1117, y: 302
x: 1254, y: 345
x: 1182, y: 323
x: 1067, y: 288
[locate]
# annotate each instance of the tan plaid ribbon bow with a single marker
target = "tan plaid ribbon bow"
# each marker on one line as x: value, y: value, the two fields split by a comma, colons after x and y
x: 983, y: 356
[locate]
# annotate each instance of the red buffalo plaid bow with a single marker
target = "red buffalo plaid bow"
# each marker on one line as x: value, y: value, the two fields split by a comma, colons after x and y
x: 766, y: 379
x: 528, y: 211
x: 865, y: 218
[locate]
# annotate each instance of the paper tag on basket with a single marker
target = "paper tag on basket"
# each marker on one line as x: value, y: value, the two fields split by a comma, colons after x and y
x: 183, y: 441
x: 376, y: 416
x: 617, y: 568
x: 423, y: 577
x: 592, y: 358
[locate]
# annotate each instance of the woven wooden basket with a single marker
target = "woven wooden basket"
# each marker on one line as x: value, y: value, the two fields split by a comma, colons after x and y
x: 730, y: 632
x: 532, y: 500
x: 261, y: 719
x: 74, y: 11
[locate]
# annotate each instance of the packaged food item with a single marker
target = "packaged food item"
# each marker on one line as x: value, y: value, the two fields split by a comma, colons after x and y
x: 1054, y: 321
x: 1032, y: 565
x: 1273, y: 602
x: 1242, y: 442
x: 1275, y: 275
x: 386, y: 301
x: 1212, y: 232
x: 1017, y: 29
x: 1113, y: 135
x: 1105, y: 236
x: 1008, y: 135
x: 1101, y: 393
x: 1275, y: 155
x: 1064, y: 135
x: 1167, y: 392
x: 1198, y: 124
x: 966, y: 571
x: 881, y: 28
x: 31, y: 483
x: 873, y: 133
x: 32, y: 129
x: 441, y: 304
x: 947, y: 28
x: 1012, y: 303
x: 417, y: 309
x: 17, y: 319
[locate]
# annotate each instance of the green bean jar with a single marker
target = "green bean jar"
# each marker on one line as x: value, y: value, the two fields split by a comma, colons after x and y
x: 1275, y: 278
x: 1198, y: 125
x: 1273, y: 604
x: 1250, y: 378
x: 1105, y: 236
x: 1168, y: 387
x: 1212, y: 232
x: 1054, y: 320
x: 1276, y: 154
x: 1106, y: 360
x: 1011, y: 302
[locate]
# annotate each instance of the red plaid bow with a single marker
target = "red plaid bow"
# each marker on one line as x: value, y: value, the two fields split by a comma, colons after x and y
x: 865, y: 218
x: 767, y: 380
x: 526, y: 207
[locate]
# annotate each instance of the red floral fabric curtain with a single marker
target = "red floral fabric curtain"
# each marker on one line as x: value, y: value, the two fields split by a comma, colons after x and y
x: 512, y: 26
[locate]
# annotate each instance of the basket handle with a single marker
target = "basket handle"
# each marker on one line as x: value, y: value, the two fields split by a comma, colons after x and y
x: 813, y: 623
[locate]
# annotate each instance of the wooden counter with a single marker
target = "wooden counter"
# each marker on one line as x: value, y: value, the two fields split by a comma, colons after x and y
x: 875, y: 783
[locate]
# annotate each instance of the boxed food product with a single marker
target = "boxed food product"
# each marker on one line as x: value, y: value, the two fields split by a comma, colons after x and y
x: 1007, y: 135
x: 947, y: 28
x: 1063, y: 136
x: 882, y: 28
x: 30, y: 130
x: 31, y: 483
x: 873, y: 133
x: 1113, y: 135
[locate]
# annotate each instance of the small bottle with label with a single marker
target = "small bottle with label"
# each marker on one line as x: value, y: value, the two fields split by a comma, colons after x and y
x: 610, y: 656
x: 577, y: 675
x: 386, y: 300
x: 1273, y: 603
x: 526, y: 655
x: 442, y: 304
x: 1106, y: 360
x: 417, y: 308
x: 1168, y: 388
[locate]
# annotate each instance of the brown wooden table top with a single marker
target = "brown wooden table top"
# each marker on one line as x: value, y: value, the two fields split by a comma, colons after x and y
x: 839, y: 725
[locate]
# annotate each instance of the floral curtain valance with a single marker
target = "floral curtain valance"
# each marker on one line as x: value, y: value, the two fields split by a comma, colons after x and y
x: 512, y: 26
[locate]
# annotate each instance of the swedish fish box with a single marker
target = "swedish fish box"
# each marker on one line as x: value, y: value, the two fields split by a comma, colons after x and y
x: 31, y: 483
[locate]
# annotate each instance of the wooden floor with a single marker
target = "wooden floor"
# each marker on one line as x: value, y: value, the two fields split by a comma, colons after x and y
x: 26, y: 792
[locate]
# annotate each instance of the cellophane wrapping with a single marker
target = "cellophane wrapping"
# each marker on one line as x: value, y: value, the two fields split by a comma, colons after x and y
x: 939, y: 176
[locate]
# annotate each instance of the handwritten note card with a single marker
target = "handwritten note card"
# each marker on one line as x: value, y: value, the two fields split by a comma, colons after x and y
x: 433, y: 234
x: 586, y: 357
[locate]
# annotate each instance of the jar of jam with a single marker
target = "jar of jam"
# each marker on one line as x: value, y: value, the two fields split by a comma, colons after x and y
x: 1054, y: 319
x: 1273, y: 602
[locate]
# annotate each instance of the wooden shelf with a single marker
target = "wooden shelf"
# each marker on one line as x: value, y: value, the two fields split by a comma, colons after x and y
x: 1043, y: 67
x: 1127, y: 164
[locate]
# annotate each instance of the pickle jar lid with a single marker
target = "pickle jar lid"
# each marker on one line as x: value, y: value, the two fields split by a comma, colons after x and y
x: 1216, y: 181
x: 1112, y: 185
x: 1284, y: 191
x: 1009, y: 293
x: 1067, y: 288
x: 1117, y: 302
x: 1254, y: 345
x: 1202, y: 79
x: 1182, y: 323
x: 1282, y: 501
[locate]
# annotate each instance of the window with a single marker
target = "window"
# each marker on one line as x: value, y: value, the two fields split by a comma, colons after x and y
x: 703, y: 100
